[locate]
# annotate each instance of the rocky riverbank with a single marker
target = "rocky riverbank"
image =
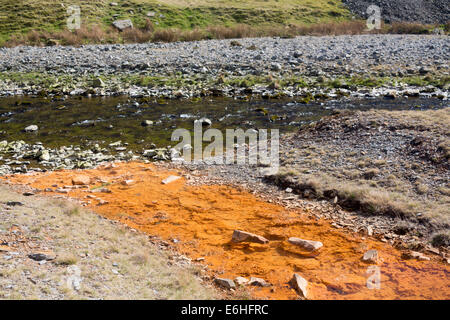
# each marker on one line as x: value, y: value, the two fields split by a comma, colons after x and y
x: 389, y: 168
x: 312, y: 67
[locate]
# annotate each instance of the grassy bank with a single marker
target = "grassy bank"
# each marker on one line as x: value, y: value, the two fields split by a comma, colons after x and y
x: 378, y: 162
x: 114, y: 261
x: 48, y: 83
x: 44, y: 22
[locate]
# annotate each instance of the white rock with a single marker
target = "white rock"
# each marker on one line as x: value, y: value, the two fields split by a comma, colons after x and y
x: 31, y: 128
x: 123, y: 24
x: 170, y: 179
x: 300, y: 285
x: 241, y: 281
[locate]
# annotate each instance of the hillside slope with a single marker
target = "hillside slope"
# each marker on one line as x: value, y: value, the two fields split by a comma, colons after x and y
x: 50, y: 15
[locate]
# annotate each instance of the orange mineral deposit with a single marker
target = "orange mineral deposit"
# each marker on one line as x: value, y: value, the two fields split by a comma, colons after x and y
x: 203, y: 219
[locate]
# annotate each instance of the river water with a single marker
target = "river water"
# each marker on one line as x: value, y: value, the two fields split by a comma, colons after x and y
x: 84, y: 121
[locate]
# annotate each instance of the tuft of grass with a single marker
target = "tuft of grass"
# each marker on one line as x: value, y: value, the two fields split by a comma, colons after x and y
x: 441, y: 239
x: 66, y: 259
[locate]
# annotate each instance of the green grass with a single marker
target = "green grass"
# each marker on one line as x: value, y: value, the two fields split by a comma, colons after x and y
x: 52, y: 83
x: 46, y: 15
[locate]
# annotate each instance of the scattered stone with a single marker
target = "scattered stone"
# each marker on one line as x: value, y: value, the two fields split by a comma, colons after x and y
x: 32, y: 128
x: 170, y: 179
x: 300, y: 285
x: 226, y: 283
x: 308, y: 245
x: 146, y: 123
x: 204, y: 122
x: 98, y: 83
x: 127, y: 182
x: 40, y: 256
x: 101, y: 190
x: 242, y: 236
x: 14, y: 203
x: 371, y: 256
x: 61, y: 190
x: 123, y: 24
x: 258, y: 282
x: 241, y: 281
x: 44, y: 155
x: 5, y: 248
x: 81, y: 180
x: 415, y: 255
x: 28, y: 194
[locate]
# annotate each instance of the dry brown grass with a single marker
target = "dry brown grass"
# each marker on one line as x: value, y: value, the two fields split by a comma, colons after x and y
x: 409, y: 28
x: 98, y: 35
x: 166, y: 35
x: 397, y: 185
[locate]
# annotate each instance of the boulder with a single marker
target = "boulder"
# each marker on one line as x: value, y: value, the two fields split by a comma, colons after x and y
x: 242, y: 236
x: 123, y: 24
x: 308, y: 245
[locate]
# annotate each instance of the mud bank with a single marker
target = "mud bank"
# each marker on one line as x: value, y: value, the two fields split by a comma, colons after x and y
x: 200, y: 221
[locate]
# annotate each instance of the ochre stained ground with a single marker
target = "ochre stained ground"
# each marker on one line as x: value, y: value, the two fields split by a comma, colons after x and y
x: 203, y: 219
